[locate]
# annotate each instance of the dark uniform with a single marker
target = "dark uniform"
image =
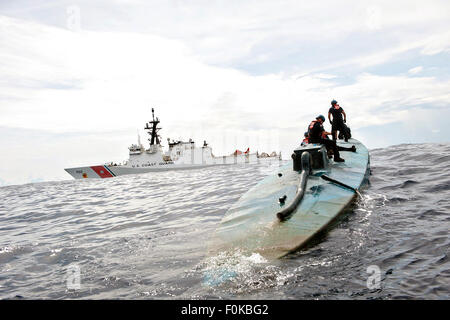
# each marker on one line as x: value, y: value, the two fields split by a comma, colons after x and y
x: 315, y: 131
x: 338, y: 122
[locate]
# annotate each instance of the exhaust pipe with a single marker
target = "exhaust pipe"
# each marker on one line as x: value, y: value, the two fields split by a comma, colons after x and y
x: 304, y: 174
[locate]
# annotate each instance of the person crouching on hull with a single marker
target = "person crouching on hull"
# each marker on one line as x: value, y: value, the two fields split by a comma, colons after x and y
x: 317, y: 134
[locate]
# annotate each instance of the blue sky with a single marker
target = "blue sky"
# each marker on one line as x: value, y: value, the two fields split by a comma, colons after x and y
x: 78, y: 78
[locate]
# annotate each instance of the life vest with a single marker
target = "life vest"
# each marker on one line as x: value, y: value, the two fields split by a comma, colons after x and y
x: 337, y: 115
x: 311, y: 125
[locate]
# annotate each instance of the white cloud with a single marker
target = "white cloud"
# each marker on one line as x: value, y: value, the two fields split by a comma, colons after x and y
x: 231, y: 33
x: 117, y: 77
x: 59, y: 81
x: 415, y: 70
x: 437, y: 43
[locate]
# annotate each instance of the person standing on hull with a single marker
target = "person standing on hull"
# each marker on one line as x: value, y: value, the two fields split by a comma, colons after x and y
x: 337, y: 123
x: 317, y: 134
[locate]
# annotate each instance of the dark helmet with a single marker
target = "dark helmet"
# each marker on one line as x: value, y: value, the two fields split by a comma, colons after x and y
x: 321, y: 117
x: 333, y: 102
x: 306, y: 134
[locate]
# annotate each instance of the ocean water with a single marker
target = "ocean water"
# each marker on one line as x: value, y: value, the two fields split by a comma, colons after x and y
x: 146, y: 237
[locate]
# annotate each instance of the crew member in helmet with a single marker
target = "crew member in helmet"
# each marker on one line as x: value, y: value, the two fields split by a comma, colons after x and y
x: 337, y: 123
x: 317, y: 134
x: 305, y: 139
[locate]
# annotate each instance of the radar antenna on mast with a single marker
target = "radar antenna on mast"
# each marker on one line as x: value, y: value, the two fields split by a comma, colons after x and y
x: 153, y: 129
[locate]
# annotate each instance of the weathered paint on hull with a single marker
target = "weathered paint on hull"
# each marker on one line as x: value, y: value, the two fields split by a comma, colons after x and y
x: 251, y: 225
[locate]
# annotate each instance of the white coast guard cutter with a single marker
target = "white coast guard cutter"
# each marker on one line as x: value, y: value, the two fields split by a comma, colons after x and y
x: 181, y: 155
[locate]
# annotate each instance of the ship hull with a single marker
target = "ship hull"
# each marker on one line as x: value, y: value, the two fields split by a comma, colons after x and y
x: 110, y: 171
x: 251, y: 225
x: 104, y: 171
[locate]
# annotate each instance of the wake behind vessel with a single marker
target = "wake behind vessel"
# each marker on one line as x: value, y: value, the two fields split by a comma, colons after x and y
x: 181, y: 155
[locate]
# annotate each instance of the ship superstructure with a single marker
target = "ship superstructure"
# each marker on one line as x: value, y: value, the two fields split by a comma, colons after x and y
x: 180, y: 155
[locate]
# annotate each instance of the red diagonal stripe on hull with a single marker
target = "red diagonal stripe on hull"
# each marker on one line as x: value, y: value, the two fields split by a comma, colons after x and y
x: 101, y: 171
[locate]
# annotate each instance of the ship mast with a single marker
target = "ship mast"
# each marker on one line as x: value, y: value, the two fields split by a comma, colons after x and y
x: 153, y: 129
